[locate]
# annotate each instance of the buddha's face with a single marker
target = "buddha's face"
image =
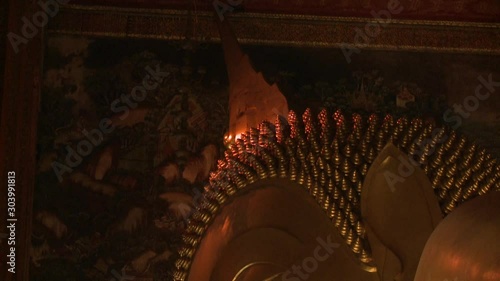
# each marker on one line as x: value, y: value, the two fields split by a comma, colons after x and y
x: 276, y: 231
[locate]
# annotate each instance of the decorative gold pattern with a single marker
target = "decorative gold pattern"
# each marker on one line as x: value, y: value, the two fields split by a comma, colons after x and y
x: 290, y: 30
x: 329, y: 156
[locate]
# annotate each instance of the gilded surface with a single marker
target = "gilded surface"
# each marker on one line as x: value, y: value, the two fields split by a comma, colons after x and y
x: 328, y: 156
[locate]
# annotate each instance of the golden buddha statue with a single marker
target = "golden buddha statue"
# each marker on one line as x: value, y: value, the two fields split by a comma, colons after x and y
x: 337, y: 197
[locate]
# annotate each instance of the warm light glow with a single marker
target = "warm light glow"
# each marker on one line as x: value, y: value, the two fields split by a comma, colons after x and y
x: 251, y: 99
x: 229, y: 139
x: 226, y: 227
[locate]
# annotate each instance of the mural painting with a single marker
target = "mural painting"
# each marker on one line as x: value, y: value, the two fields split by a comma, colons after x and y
x: 129, y: 131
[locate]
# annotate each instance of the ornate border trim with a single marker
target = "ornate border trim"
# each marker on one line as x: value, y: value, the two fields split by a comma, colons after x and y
x: 281, y: 30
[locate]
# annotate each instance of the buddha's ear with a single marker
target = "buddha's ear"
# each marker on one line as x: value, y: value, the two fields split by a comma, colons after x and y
x: 465, y: 244
x: 400, y: 212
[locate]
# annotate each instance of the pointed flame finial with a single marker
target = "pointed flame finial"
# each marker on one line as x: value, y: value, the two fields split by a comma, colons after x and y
x: 251, y: 99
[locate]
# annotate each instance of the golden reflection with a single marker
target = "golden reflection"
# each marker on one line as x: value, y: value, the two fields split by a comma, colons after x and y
x: 248, y: 266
